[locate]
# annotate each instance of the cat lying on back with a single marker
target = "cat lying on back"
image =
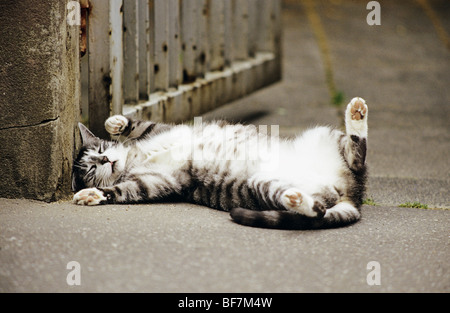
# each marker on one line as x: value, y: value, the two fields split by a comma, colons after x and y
x: 316, y: 180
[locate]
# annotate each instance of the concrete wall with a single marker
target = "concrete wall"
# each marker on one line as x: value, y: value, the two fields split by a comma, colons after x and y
x: 39, y: 98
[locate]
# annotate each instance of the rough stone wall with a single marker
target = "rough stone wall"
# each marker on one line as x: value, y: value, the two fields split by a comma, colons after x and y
x: 39, y: 98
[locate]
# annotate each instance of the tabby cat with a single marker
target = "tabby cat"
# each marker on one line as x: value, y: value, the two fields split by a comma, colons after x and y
x: 316, y: 180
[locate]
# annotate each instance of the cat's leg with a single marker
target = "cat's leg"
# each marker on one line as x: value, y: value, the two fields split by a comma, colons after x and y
x: 355, y: 143
x: 273, y: 194
x: 119, y: 125
x: 143, y: 188
x: 89, y: 196
x: 295, y: 200
x: 356, y: 116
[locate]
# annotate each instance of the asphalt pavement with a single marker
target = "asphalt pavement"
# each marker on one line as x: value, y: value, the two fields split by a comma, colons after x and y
x: 401, y: 68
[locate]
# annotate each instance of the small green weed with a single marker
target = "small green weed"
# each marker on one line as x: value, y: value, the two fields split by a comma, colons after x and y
x: 337, y: 98
x: 369, y: 201
x: 416, y: 205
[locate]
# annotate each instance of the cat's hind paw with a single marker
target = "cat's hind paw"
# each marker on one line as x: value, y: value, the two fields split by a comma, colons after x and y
x: 294, y: 200
x: 89, y: 196
x: 358, y: 109
x: 356, y: 117
x: 116, y: 124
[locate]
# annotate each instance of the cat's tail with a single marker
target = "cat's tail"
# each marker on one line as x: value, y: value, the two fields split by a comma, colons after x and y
x: 343, y: 213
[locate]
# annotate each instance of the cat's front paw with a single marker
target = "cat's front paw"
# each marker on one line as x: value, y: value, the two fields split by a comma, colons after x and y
x: 116, y: 124
x: 294, y: 200
x: 89, y: 196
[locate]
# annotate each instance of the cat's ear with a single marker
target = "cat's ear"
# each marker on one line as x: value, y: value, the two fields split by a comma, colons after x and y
x: 87, y: 137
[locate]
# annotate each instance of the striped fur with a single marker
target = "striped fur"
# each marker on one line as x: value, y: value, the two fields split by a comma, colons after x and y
x: 316, y: 180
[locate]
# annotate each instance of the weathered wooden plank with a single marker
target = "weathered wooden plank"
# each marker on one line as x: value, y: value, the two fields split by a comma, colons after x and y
x: 240, y: 29
x: 252, y: 26
x: 131, y: 51
x: 161, y: 66
x: 175, y: 57
x: 99, y: 66
x: 277, y: 37
x: 116, y: 55
x: 144, y: 49
x: 202, y: 52
x: 216, y: 38
x: 189, y: 39
x: 105, y: 62
x: 228, y: 32
x: 151, y: 14
x: 265, y: 26
x: 277, y: 27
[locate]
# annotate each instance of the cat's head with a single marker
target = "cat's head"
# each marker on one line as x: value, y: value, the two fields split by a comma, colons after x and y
x: 99, y: 162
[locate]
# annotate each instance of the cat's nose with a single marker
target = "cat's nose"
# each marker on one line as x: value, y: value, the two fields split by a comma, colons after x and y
x: 104, y: 160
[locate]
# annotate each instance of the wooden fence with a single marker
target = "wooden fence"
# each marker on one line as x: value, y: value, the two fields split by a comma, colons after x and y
x: 171, y: 60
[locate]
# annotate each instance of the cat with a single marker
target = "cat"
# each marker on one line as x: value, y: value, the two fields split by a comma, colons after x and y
x: 316, y: 180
